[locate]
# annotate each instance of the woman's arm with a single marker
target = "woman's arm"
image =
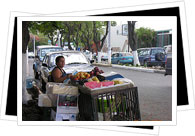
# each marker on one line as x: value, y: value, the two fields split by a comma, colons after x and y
x: 57, y: 76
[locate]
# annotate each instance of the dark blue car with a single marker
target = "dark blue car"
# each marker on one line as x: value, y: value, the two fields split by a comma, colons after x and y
x: 154, y: 56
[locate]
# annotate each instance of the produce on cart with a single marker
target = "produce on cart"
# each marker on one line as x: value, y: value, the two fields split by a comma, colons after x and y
x: 91, y: 96
x: 107, y: 97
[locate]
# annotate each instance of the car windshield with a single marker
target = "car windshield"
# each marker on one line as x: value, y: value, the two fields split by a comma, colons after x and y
x: 70, y: 58
x: 47, y: 50
x: 155, y: 51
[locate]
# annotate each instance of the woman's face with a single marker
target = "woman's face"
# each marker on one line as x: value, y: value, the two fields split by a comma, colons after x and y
x: 61, y: 63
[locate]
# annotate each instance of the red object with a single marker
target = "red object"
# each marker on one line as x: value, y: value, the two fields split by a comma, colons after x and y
x: 108, y: 83
x: 123, y: 58
x: 166, y: 62
x: 93, y: 84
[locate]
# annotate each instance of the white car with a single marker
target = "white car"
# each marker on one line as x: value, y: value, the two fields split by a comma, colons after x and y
x: 74, y: 61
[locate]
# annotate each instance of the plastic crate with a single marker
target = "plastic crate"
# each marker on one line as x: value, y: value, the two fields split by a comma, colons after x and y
x: 118, y: 104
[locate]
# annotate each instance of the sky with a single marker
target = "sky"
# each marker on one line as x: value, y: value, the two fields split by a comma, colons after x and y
x: 155, y: 24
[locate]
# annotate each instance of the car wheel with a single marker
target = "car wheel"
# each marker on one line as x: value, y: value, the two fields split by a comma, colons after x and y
x: 43, y: 87
x: 118, y: 62
x: 163, y: 65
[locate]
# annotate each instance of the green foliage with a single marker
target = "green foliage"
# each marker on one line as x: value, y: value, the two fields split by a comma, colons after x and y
x: 81, y: 33
x: 40, y: 40
x: 145, y: 37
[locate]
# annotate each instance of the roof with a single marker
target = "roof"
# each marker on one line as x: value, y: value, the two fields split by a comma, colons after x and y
x: 71, y: 51
x: 150, y: 48
x: 47, y: 46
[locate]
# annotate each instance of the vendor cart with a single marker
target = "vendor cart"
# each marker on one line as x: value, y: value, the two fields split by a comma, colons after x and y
x: 114, y: 103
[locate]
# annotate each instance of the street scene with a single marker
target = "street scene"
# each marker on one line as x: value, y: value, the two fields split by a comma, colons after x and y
x: 97, y: 71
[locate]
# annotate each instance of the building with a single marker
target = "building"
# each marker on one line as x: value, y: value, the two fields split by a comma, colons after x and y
x: 119, y: 39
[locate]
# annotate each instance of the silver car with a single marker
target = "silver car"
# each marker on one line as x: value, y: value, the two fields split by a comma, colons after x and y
x: 39, y: 55
x: 74, y: 61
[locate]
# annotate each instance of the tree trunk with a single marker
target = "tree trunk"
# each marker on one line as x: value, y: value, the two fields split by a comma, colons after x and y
x: 95, y: 36
x: 25, y: 36
x: 25, y: 40
x: 132, y: 41
x: 104, y: 37
x: 69, y: 40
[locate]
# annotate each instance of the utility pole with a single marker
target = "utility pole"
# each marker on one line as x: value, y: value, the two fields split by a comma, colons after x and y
x: 27, y: 67
x: 34, y: 44
x: 109, y: 38
x: 59, y: 36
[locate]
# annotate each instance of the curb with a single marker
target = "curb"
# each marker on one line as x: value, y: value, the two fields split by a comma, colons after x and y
x: 132, y: 68
x: 103, y: 65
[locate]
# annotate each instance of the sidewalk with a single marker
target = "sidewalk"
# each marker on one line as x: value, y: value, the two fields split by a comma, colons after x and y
x: 141, y: 69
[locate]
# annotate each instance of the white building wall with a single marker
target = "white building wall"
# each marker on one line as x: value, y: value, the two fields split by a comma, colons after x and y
x: 117, y: 39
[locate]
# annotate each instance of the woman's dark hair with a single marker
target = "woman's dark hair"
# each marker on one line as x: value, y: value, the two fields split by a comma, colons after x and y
x: 58, y: 58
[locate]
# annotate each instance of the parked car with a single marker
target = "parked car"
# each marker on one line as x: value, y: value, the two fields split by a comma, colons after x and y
x: 31, y: 55
x: 168, y: 62
x: 74, y: 60
x: 154, y: 56
x: 104, y: 56
x: 88, y: 54
x: 122, y: 58
x: 40, y: 52
x: 167, y: 48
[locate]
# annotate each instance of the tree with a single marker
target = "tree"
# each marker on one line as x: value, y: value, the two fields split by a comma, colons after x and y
x: 146, y: 37
x: 132, y: 41
x: 47, y: 28
x: 40, y: 39
x: 87, y: 34
x: 25, y: 35
x: 101, y: 28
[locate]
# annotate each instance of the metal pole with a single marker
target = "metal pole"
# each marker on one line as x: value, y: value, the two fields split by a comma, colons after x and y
x: 162, y: 39
x: 34, y: 44
x: 109, y: 46
x: 27, y: 67
x: 59, y: 38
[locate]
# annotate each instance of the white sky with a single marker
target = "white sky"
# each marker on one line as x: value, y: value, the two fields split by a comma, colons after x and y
x: 156, y: 25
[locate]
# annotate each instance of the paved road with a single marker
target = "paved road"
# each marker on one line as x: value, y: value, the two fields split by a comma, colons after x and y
x: 155, y: 92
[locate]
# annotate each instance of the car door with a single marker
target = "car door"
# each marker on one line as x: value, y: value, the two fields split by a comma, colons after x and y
x: 117, y: 58
x: 142, y: 56
x: 45, y: 69
x: 120, y: 57
x: 113, y: 58
x: 153, y: 53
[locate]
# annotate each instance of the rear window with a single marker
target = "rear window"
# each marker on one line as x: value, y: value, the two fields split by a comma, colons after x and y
x: 155, y: 51
x: 144, y: 52
x: 47, y: 50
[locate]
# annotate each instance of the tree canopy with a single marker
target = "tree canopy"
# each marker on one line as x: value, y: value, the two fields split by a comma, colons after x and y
x: 81, y: 33
x: 146, y: 37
